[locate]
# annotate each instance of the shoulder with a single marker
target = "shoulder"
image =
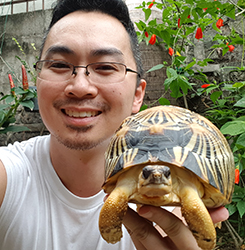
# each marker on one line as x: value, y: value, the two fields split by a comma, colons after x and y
x: 17, y: 161
x: 3, y: 182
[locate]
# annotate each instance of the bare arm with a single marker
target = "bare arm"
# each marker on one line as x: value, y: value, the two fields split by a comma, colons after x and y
x: 3, y: 182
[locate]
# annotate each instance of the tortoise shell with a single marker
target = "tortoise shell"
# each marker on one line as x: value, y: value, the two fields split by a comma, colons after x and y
x: 175, y: 137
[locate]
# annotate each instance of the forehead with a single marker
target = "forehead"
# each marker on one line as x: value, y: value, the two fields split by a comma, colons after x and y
x: 89, y: 34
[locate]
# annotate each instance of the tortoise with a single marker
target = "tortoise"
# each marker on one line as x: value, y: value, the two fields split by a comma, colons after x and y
x: 167, y: 156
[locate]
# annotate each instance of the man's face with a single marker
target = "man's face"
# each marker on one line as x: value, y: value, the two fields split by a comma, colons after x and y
x: 80, y: 114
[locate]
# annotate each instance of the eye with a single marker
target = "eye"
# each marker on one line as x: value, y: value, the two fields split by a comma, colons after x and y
x: 58, y: 66
x: 105, y: 68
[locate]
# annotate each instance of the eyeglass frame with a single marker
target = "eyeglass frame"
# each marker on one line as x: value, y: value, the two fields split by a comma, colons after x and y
x: 74, y: 67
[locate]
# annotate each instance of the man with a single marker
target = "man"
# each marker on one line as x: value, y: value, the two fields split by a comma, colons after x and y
x: 50, y: 187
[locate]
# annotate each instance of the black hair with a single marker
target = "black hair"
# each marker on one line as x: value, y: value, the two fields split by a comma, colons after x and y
x: 115, y: 8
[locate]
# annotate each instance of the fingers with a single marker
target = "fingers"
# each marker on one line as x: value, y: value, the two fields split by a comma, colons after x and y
x: 219, y: 214
x: 144, y: 234
x: 179, y: 234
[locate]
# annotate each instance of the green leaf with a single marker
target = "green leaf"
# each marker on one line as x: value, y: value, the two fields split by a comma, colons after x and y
x: 184, y: 84
x: 171, y: 73
x: 19, y: 91
x: 185, y: 14
x: 153, y: 22
x: 241, y: 207
x: 2, y: 116
x: 241, y: 140
x: 240, y: 103
x: 168, y: 81
x: 175, y: 88
x: 241, y: 3
x: 191, y: 64
x: 165, y: 35
x: 231, y: 208
x: 215, y: 27
x: 4, y: 106
x: 143, y: 107
x: 156, y: 67
x: 225, y: 50
x: 215, y: 95
x: 141, y: 25
x: 231, y: 10
x: 195, y: 15
x: 238, y: 85
x: 147, y: 13
x: 9, y: 99
x: 233, y: 128
x: 163, y: 101
x: 14, y: 128
x: 29, y: 104
x: 166, y: 12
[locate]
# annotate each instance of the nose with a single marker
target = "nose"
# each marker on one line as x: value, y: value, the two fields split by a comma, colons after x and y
x: 79, y: 85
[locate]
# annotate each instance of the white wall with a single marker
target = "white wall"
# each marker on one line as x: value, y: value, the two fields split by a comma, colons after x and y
x: 21, y: 7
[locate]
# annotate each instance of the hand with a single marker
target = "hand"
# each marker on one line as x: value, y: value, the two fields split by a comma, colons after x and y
x: 146, y: 237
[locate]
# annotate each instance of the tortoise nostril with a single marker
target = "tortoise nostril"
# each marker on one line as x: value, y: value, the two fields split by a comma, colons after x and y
x: 146, y: 172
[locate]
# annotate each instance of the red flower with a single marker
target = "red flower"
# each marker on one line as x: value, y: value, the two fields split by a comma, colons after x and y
x: 199, y: 34
x: 189, y: 16
x: 24, y: 78
x: 153, y: 39
x: 204, y: 9
x: 146, y: 34
x: 150, y: 5
x: 170, y: 51
x: 237, y: 175
x: 179, y: 23
x: 204, y: 86
x: 219, y: 23
x: 231, y: 48
x: 11, y: 82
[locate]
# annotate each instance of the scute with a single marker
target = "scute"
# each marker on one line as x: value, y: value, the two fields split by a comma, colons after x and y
x: 175, y: 137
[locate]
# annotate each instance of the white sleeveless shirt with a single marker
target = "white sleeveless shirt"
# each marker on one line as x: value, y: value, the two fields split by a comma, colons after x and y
x: 39, y: 213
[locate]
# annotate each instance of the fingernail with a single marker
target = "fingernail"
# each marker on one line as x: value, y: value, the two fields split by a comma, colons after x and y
x: 145, y: 212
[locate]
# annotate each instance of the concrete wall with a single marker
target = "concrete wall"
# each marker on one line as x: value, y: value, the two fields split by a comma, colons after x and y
x: 27, y: 28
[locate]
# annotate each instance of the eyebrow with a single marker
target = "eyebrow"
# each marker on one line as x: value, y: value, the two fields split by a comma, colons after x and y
x: 106, y: 51
x: 59, y: 49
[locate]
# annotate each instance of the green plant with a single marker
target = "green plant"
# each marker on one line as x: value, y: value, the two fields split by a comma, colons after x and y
x: 19, y: 96
x: 182, y: 21
x: 24, y: 62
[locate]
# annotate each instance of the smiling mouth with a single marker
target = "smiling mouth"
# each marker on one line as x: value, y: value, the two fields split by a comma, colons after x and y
x: 82, y: 114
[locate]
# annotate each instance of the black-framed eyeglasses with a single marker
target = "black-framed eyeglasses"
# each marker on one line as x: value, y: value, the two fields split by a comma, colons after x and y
x: 99, y: 72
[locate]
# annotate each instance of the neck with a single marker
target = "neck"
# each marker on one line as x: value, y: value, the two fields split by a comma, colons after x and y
x: 81, y: 172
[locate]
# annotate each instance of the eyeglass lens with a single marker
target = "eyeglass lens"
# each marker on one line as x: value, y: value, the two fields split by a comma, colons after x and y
x: 102, y: 72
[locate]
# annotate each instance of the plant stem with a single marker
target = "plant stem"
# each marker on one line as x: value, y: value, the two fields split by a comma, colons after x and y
x: 12, y: 111
x: 243, y: 44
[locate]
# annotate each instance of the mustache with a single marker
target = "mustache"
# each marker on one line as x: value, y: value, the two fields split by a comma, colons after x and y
x: 85, y: 102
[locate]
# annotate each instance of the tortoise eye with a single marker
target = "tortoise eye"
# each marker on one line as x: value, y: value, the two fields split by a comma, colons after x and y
x: 146, y: 172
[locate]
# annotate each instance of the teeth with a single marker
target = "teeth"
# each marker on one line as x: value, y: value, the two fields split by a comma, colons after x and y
x: 81, y: 114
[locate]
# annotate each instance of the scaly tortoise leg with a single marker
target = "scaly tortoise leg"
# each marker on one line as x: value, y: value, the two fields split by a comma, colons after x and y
x: 198, y: 218
x: 113, y: 211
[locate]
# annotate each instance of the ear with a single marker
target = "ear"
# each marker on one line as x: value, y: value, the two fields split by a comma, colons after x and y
x: 139, y: 96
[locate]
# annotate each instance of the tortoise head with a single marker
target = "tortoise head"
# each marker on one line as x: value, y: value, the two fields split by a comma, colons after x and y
x: 155, y: 180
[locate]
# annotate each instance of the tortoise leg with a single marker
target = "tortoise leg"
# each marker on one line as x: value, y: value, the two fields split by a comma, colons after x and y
x: 112, y: 213
x: 198, y: 218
